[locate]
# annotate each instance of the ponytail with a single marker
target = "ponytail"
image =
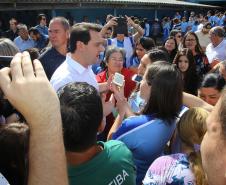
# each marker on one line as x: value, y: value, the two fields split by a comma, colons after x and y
x: 195, y: 163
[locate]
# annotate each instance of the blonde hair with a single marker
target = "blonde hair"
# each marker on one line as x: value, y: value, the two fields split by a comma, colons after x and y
x: 7, y: 47
x: 191, y: 129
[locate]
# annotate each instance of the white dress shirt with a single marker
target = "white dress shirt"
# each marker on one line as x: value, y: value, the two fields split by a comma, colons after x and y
x: 71, y: 71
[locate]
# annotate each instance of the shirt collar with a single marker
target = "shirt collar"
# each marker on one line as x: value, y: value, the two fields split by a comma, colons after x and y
x: 75, y: 65
x: 221, y: 43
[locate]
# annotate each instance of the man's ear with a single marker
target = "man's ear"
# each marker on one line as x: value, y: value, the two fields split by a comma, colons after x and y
x: 80, y: 45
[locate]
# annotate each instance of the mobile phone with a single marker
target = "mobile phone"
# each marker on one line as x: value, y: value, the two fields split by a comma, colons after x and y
x: 118, y: 79
x: 137, y: 78
x: 121, y: 27
x: 5, y: 61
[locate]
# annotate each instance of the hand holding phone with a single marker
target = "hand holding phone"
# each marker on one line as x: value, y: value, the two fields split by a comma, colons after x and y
x: 137, y: 78
x: 118, y: 79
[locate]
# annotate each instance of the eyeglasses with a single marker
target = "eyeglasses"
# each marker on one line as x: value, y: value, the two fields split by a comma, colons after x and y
x: 190, y: 40
x: 117, y: 59
x: 179, y: 36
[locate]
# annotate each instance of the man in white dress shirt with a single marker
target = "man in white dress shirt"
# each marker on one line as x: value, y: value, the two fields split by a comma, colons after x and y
x: 216, y: 50
x: 85, y: 44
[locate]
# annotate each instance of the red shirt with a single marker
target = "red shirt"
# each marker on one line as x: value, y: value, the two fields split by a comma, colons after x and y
x: 128, y: 88
x: 129, y: 84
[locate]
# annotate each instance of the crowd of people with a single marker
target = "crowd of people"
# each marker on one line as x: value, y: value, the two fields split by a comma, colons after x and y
x: 66, y: 117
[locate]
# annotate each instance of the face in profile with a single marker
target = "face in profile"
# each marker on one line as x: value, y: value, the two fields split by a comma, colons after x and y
x: 94, y: 46
x: 145, y: 61
x: 33, y: 36
x: 145, y: 89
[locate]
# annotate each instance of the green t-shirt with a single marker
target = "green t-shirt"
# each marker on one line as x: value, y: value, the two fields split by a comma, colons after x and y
x: 113, y: 166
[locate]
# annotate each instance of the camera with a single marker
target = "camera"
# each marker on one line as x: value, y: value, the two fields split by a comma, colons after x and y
x: 121, y: 27
x: 5, y: 61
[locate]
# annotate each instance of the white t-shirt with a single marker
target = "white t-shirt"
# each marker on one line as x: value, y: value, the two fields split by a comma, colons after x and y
x: 204, y: 39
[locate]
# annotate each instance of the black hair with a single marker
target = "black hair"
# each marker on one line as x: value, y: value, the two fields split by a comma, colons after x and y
x: 165, y: 99
x: 34, y: 53
x: 174, y: 32
x: 34, y: 30
x: 81, y: 32
x: 158, y: 55
x: 173, y: 53
x: 82, y: 113
x: 190, y: 77
x: 39, y: 17
x: 147, y: 43
x: 14, y: 144
x: 213, y: 80
x: 198, y: 47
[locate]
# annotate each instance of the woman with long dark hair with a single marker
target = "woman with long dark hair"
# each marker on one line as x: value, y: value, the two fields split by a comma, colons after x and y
x: 185, y: 62
x: 171, y: 47
x: 191, y: 41
x: 147, y: 134
x: 143, y: 45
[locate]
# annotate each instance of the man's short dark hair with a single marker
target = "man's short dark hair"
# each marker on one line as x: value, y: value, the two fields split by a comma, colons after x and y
x: 81, y: 32
x: 82, y: 113
x: 34, y: 31
x: 39, y: 17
